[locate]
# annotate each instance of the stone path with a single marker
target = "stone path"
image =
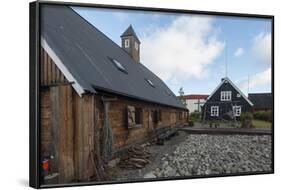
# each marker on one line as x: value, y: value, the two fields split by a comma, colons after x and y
x: 202, y: 154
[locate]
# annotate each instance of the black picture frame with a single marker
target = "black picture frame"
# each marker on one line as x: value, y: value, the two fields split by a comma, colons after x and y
x: 34, y: 68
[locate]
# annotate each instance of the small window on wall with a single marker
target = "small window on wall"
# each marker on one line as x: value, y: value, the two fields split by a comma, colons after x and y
x: 134, y: 116
x: 214, y: 111
x: 136, y: 46
x: 160, y: 115
x: 127, y: 43
x: 237, y: 111
x: 157, y: 116
x: 179, y: 115
x: 225, y: 95
x: 138, y: 116
x: 154, y: 116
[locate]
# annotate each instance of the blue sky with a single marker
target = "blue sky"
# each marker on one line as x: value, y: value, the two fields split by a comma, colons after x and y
x: 191, y: 51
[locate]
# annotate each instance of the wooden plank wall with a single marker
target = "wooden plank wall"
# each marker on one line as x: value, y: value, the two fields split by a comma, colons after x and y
x: 45, y: 117
x: 63, y: 131
x: 50, y: 74
x: 122, y: 136
x: 84, y: 136
x: 67, y: 125
x: 72, y: 123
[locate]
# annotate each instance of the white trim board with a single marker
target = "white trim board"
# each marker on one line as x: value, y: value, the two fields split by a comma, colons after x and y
x: 62, y: 67
x: 234, y: 86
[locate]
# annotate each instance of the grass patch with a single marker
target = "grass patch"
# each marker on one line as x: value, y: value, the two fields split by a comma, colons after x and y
x: 261, y: 124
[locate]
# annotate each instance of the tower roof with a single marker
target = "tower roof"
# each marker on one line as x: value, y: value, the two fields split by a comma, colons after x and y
x: 130, y: 32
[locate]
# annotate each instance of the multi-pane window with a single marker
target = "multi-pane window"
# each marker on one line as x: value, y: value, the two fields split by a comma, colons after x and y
x: 214, y: 110
x: 237, y: 110
x: 225, y: 95
x: 127, y: 43
x: 136, y: 46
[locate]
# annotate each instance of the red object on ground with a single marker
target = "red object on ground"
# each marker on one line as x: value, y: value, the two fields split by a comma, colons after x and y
x: 46, y: 165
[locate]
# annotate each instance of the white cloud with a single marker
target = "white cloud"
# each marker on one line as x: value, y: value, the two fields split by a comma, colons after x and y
x: 239, y: 52
x: 182, y: 49
x: 122, y: 17
x: 259, y: 79
x: 262, y: 47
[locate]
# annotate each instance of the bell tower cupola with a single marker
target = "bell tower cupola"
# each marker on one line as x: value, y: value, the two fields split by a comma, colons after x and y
x: 131, y: 43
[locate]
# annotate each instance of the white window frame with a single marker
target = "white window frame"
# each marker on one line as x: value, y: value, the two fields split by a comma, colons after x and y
x: 237, y: 111
x: 226, y: 95
x: 136, y: 46
x: 127, y: 43
x: 214, y: 111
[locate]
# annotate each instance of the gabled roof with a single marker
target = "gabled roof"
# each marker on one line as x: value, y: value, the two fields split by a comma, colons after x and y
x: 84, y: 55
x: 130, y: 32
x: 261, y: 100
x: 234, y: 86
x: 193, y: 96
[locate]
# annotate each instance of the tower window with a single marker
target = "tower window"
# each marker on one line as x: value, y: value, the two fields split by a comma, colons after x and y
x: 136, y: 46
x: 127, y: 43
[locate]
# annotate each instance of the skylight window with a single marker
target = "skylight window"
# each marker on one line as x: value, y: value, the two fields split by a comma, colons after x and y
x: 119, y: 66
x: 168, y: 92
x: 150, y: 82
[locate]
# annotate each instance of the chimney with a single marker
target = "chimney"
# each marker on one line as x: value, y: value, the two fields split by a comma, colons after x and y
x: 131, y: 43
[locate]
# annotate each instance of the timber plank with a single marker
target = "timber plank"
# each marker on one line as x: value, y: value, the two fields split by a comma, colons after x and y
x: 78, y: 144
x: 66, y: 171
x: 45, y: 66
x: 54, y: 98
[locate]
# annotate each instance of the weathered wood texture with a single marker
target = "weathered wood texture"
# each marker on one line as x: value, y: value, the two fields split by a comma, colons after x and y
x: 68, y: 132
x: 67, y: 125
x: 50, y: 74
x: 84, y: 136
x: 63, y: 130
x: 45, y: 117
x: 118, y: 120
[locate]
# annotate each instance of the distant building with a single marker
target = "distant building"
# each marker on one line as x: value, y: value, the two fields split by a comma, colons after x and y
x: 193, y: 102
x: 226, y: 102
x: 261, y: 101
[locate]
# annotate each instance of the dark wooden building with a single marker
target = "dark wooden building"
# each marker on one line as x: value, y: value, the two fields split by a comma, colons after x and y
x: 96, y: 97
x: 226, y: 102
x: 261, y: 101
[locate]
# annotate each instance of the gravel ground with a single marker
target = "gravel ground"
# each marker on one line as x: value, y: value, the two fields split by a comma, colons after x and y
x: 215, y: 154
x: 200, y: 154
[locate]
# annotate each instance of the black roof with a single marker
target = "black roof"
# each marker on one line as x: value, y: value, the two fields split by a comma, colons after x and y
x: 87, y: 54
x: 130, y: 32
x: 261, y: 100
